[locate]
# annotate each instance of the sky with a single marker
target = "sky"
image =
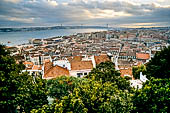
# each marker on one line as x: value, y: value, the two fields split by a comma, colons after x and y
x: 115, y: 13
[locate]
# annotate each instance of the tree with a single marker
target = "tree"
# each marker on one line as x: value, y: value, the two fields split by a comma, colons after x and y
x: 159, y: 66
x: 106, y: 72
x: 31, y: 93
x: 137, y: 69
x: 19, y: 90
x: 62, y: 86
x: 9, y: 72
x: 155, y: 93
x: 93, y: 96
x: 154, y: 97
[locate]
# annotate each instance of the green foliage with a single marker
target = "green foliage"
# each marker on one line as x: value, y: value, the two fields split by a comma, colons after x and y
x: 103, y: 91
x: 122, y: 83
x: 45, y: 109
x: 93, y: 96
x: 31, y: 93
x: 159, y: 66
x: 9, y: 71
x: 154, y: 97
x: 105, y: 72
x: 19, y: 91
x: 137, y: 69
x: 103, y: 97
x: 62, y: 86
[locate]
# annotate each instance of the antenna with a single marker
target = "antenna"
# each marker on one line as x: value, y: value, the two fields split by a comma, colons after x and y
x: 107, y: 25
x: 141, y: 37
x: 127, y: 36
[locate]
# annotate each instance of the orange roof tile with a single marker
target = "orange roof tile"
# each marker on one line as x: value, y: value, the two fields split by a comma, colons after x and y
x: 81, y: 65
x: 126, y: 71
x: 143, y: 56
x: 75, y: 59
x: 29, y: 63
x: 37, y: 67
x: 139, y: 63
x: 101, y: 58
x: 56, y: 71
x: 47, y: 66
x: 46, y: 60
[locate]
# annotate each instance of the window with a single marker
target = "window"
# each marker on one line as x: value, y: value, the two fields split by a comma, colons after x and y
x: 85, y: 73
x: 79, y: 74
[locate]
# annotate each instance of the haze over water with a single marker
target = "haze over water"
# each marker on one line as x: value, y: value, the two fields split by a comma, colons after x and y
x: 17, y: 38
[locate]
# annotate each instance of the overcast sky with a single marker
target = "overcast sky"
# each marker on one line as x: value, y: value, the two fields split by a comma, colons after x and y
x: 116, y: 13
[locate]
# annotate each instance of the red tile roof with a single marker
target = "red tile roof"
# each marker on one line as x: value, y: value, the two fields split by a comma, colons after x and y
x: 75, y: 59
x: 37, y: 67
x: 56, y: 71
x: 28, y: 63
x: 101, y: 58
x: 139, y: 63
x: 125, y: 71
x: 47, y: 65
x: 81, y: 65
x: 142, y: 56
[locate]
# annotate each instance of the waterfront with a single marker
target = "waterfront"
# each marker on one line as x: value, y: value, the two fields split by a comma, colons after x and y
x: 16, y: 38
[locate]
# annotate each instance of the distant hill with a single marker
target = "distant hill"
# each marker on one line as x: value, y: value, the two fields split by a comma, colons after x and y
x: 49, y: 28
x: 10, y: 29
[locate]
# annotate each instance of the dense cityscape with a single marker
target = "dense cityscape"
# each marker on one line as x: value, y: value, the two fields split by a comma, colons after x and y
x: 76, y: 55
x: 84, y: 56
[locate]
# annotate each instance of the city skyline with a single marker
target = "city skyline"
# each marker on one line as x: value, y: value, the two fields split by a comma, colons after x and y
x: 115, y: 13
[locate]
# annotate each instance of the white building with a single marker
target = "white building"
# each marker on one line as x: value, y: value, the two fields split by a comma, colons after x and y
x: 63, y: 63
x: 143, y: 77
x: 80, y: 68
x: 138, y: 83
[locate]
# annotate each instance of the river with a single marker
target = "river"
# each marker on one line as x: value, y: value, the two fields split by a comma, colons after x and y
x: 16, y: 38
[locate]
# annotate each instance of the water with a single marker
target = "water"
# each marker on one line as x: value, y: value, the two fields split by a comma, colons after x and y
x: 16, y: 38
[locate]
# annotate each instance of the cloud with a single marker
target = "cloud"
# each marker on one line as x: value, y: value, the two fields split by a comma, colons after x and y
x: 87, y: 12
x: 13, y: 1
x: 160, y: 0
x: 25, y: 20
x: 52, y: 2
